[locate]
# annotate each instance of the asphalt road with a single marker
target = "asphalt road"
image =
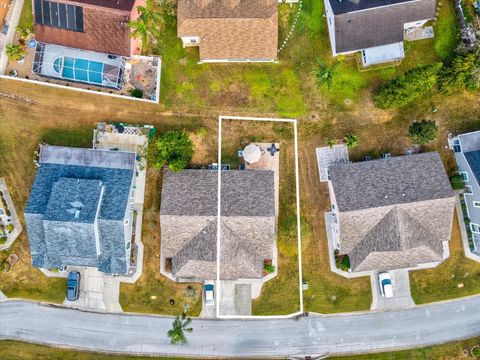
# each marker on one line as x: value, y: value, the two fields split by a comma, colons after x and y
x: 312, y: 335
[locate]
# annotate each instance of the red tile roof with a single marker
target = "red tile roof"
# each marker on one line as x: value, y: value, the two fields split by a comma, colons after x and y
x: 105, y: 28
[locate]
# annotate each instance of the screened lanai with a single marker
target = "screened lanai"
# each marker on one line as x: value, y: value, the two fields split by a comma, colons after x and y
x: 78, y: 65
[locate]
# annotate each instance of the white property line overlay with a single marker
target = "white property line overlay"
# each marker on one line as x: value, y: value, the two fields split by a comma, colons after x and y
x: 299, y: 239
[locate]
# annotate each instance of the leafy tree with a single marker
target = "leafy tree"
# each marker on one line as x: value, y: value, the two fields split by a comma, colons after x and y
x: 325, y: 74
x: 464, y: 71
x: 351, y: 140
x: 14, y: 51
x: 179, y: 328
x: 175, y: 149
x: 422, y: 132
x: 407, y: 87
x: 149, y: 24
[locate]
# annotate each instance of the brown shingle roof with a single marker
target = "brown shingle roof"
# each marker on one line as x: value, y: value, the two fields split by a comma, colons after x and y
x: 393, y: 213
x: 188, y: 222
x: 231, y: 30
x: 105, y: 29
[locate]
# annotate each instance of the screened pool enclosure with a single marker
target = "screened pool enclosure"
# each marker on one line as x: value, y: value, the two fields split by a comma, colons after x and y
x: 80, y: 66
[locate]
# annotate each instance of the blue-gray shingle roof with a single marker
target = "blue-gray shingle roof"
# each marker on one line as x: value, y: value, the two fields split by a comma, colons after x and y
x: 74, y: 189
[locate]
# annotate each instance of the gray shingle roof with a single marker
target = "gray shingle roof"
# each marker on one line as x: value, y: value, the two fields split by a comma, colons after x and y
x: 62, y: 208
x: 371, y: 24
x: 381, y: 233
x: 188, y: 220
x: 74, y: 200
x: 194, y: 192
x: 399, y: 180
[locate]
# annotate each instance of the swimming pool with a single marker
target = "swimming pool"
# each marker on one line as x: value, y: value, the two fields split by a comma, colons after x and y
x: 79, y: 69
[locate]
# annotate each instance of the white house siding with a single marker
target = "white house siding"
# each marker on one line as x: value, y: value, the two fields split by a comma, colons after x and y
x: 472, y: 211
x: 331, y: 25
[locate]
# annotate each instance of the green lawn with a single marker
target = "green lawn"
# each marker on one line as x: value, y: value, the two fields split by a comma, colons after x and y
x: 17, y: 350
x: 26, y: 19
x: 458, y: 276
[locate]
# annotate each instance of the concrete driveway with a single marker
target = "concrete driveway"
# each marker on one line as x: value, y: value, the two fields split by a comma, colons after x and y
x: 98, y: 291
x: 236, y: 298
x: 401, y: 292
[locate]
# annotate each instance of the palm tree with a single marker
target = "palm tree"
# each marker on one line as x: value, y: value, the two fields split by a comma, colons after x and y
x: 325, y: 74
x: 14, y: 51
x: 148, y: 24
x: 351, y: 140
x: 179, y: 328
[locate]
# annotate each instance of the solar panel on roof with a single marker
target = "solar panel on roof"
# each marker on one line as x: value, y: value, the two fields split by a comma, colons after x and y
x: 79, y: 18
x: 62, y: 11
x: 38, y: 12
x: 60, y: 15
x: 46, y: 12
x: 70, y: 17
x: 54, y: 13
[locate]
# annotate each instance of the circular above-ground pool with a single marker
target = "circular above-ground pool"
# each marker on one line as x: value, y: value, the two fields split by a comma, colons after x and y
x: 57, y: 65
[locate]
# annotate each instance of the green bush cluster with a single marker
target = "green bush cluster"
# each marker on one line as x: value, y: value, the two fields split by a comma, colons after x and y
x: 463, y: 72
x: 175, y: 149
x: 422, y: 132
x: 406, y: 88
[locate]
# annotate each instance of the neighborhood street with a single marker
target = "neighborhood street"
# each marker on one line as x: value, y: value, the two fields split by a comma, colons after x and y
x: 312, y: 335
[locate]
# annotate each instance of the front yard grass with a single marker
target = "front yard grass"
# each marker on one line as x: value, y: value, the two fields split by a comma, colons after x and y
x: 15, y: 350
x: 152, y: 292
x: 458, y: 276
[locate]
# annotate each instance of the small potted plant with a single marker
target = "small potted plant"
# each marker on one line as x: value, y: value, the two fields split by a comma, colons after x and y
x: 268, y: 267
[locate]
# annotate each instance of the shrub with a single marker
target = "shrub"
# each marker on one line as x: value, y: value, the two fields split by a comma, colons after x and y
x: 407, y: 87
x: 137, y: 93
x: 14, y: 51
x: 3, y: 240
x: 342, y: 262
x: 457, y: 182
x: 269, y: 268
x: 476, y: 351
x: 422, y: 132
x: 351, y: 140
x: 175, y: 149
x: 464, y: 72
x: 10, y: 227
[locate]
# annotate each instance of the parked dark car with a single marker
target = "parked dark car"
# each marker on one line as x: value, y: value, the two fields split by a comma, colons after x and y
x: 73, y: 286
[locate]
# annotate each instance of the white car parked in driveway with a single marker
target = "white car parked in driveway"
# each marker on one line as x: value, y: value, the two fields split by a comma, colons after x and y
x: 209, y: 288
x: 386, y: 285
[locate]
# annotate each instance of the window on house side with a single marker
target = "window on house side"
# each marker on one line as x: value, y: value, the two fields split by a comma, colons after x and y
x: 464, y: 175
x: 475, y: 228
